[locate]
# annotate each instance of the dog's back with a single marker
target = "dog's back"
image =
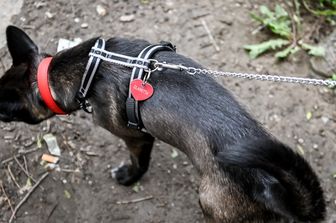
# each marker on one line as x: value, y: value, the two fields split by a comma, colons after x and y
x: 247, y: 175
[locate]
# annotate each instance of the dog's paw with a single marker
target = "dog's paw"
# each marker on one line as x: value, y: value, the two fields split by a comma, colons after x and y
x: 115, y: 170
x: 125, y: 175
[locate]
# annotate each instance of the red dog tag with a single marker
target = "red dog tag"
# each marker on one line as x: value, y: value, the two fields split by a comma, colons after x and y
x: 141, y: 91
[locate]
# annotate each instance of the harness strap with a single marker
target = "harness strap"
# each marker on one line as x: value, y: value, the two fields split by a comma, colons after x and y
x: 90, y: 71
x: 119, y: 58
x: 132, y: 106
x: 139, y: 64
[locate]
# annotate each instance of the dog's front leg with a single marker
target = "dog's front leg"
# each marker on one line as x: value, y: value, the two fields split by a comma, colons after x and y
x: 140, y: 150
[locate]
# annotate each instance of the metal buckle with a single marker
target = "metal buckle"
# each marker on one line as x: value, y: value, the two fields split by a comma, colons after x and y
x: 86, y: 106
x: 133, y: 125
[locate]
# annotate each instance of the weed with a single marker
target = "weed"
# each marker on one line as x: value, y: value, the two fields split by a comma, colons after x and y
x: 320, y: 7
x: 286, y: 28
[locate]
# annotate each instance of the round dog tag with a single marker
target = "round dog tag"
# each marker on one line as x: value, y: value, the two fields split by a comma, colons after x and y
x: 141, y: 91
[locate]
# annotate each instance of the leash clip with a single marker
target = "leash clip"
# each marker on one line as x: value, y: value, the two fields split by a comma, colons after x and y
x: 86, y: 106
x: 83, y: 103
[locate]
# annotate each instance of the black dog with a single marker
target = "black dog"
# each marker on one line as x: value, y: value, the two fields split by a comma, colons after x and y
x: 246, y: 174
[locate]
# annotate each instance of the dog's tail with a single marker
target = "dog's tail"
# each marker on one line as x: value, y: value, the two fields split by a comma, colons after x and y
x: 282, y: 180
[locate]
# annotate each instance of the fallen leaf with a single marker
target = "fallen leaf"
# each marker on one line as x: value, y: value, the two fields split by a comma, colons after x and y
x: 309, y: 115
x: 136, y: 187
x: 300, y: 149
x: 67, y: 194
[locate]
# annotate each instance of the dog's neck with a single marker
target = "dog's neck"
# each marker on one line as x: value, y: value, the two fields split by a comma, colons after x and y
x: 65, y: 74
x: 67, y: 69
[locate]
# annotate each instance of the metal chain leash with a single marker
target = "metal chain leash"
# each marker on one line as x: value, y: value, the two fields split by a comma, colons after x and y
x: 263, y: 77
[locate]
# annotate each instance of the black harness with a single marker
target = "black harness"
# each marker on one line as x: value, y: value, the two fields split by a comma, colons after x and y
x: 141, y: 67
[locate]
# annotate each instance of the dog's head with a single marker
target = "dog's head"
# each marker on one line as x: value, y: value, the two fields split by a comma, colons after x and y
x: 19, y: 97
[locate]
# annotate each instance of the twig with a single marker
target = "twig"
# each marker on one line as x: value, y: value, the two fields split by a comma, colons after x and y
x: 24, y: 152
x: 70, y: 171
x: 135, y: 200
x: 210, y: 35
x: 28, y: 27
x: 12, y: 177
x: 25, y: 163
x: 51, y: 212
x: 311, y: 32
x: 294, y: 27
x: 72, y: 9
x: 25, y: 171
x: 27, y: 196
x: 7, y: 198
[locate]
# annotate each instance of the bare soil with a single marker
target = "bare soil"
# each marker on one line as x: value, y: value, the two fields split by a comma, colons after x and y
x: 91, y: 195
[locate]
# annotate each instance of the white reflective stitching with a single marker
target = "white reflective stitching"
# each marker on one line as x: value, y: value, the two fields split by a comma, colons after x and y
x: 118, y: 62
x: 88, y: 65
x: 117, y: 54
x: 93, y: 71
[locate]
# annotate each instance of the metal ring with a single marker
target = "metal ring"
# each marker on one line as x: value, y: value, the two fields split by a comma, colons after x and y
x: 156, y: 64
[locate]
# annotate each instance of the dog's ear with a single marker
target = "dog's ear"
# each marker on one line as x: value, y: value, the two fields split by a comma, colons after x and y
x: 20, y: 46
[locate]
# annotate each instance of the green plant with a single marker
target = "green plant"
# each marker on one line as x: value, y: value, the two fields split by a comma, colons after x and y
x: 285, y: 27
x: 320, y: 7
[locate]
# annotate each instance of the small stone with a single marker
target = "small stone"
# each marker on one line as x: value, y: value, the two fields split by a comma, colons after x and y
x: 64, y: 181
x: 300, y: 140
x: 315, y: 146
x: 175, y: 166
x: 275, y: 118
x: 49, y: 15
x: 185, y: 163
x: 170, y: 4
x: 77, y: 20
x: 39, y: 5
x: 127, y: 18
x: 84, y: 25
x: 101, y: 10
x: 8, y: 137
x: 90, y: 182
x: 324, y: 119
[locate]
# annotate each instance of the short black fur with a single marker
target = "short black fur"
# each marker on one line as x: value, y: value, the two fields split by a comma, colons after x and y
x: 246, y: 175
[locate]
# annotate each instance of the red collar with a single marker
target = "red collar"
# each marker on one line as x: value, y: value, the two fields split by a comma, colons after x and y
x: 43, y: 86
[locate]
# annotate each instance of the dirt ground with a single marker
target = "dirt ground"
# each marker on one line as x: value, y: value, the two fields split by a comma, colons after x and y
x: 90, y: 194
